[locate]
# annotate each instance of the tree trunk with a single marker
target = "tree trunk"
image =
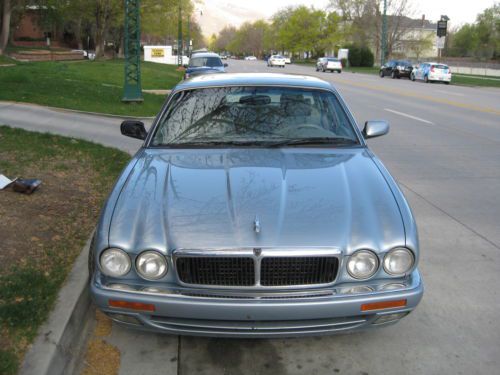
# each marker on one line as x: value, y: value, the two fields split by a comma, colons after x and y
x: 4, y: 33
x: 78, y: 33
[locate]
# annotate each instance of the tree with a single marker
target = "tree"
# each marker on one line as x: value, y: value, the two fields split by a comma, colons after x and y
x: 5, y: 30
x: 420, y: 44
x: 225, y: 37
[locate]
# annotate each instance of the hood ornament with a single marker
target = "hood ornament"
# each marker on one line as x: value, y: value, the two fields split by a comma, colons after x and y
x: 256, y: 225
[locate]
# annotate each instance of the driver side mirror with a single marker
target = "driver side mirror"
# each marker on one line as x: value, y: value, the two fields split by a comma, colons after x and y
x: 375, y: 129
x: 134, y: 129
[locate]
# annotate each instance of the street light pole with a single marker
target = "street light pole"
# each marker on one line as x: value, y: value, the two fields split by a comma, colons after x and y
x: 179, y: 36
x: 384, y: 35
x: 188, y: 35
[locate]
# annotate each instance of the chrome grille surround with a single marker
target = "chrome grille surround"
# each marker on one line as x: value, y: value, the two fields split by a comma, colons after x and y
x: 286, y: 268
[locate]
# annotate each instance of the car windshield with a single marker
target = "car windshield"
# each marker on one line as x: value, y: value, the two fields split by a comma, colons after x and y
x: 331, y: 59
x: 440, y: 66
x: 257, y: 116
x: 197, y: 62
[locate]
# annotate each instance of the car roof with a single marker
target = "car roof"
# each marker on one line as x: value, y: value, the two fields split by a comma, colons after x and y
x: 254, y: 79
x: 204, y: 54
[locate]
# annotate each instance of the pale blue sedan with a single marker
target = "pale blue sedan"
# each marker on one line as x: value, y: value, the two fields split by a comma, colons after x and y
x: 255, y: 208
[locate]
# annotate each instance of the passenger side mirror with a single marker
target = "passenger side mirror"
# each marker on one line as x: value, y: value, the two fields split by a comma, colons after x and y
x: 375, y: 129
x: 134, y: 129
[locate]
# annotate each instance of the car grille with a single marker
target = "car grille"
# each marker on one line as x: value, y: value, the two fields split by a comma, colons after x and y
x: 242, y: 271
x: 224, y: 271
x: 277, y: 271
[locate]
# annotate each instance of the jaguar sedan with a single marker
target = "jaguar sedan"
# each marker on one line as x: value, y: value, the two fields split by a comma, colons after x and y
x: 254, y: 208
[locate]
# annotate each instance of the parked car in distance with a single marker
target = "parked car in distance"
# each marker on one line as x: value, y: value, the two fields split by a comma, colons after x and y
x: 224, y: 56
x: 432, y: 72
x: 329, y: 63
x: 204, y: 63
x: 288, y: 60
x: 396, y: 69
x: 250, y: 58
x: 254, y: 208
x: 276, y: 60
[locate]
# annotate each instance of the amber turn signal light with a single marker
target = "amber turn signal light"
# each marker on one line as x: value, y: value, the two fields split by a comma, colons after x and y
x: 132, y: 305
x: 383, y: 305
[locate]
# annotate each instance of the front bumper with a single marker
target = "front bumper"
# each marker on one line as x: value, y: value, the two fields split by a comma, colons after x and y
x: 189, y: 312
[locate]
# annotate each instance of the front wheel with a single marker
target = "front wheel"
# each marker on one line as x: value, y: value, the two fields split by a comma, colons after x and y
x: 446, y: 83
x: 412, y: 77
x: 340, y: 71
x: 323, y: 70
x: 393, y: 75
x: 426, y: 79
x: 381, y: 74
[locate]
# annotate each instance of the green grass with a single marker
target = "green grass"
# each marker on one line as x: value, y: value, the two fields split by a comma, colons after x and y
x: 470, y: 80
x: 362, y: 69
x: 76, y: 177
x: 94, y: 86
x: 6, y: 60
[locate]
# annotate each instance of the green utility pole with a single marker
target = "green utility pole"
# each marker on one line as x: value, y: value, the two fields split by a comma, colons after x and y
x: 188, y: 36
x: 179, y: 37
x: 384, y: 35
x: 132, y: 86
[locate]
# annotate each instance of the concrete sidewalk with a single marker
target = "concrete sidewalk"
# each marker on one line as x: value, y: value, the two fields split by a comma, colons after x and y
x: 96, y: 128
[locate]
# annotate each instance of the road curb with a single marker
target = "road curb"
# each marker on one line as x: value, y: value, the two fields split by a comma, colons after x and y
x: 61, y: 339
x: 67, y: 110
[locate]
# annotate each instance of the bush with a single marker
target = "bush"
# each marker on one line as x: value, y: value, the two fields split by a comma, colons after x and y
x: 360, y: 56
x: 354, y: 55
x: 344, y: 63
x: 367, y: 58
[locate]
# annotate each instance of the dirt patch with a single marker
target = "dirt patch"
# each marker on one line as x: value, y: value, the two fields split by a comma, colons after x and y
x: 42, y: 234
x: 104, y: 325
x: 101, y: 358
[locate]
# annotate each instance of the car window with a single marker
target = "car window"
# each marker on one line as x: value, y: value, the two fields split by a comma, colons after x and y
x: 197, y: 62
x: 440, y: 66
x: 252, y: 114
x: 332, y: 59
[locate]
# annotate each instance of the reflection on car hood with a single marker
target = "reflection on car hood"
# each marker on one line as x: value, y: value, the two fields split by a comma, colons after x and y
x: 210, y: 198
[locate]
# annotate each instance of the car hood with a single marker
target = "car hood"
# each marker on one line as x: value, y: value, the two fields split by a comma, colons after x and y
x: 211, y: 198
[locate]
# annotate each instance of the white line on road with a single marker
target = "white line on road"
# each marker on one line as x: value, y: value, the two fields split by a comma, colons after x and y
x: 450, y: 93
x: 409, y: 116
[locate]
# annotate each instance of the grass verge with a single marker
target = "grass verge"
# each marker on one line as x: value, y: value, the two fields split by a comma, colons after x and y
x: 6, y: 60
x: 43, y: 233
x: 95, y: 86
x: 469, y: 80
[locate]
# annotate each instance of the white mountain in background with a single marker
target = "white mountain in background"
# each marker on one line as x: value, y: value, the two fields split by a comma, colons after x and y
x: 217, y: 14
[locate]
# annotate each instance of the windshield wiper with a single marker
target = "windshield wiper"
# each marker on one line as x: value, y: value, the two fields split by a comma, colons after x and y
x: 313, y: 141
x: 213, y: 143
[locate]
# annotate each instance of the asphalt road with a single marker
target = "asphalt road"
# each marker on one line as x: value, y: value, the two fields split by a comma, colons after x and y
x: 444, y: 151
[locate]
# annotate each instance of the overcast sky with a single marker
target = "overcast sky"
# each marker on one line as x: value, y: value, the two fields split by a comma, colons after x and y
x: 459, y: 11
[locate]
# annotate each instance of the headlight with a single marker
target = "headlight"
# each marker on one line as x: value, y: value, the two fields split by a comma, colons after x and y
x: 398, y: 261
x: 115, y: 262
x: 151, y: 265
x: 362, y: 264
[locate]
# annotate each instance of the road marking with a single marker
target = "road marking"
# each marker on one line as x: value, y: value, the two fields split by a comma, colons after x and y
x: 409, y: 116
x: 420, y: 96
x: 450, y: 93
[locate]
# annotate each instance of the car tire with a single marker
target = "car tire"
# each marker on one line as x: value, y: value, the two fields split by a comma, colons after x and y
x: 317, y: 69
x: 412, y: 77
x: 426, y: 79
x: 340, y: 71
x: 393, y: 75
x: 446, y: 83
x: 323, y: 70
x: 381, y: 74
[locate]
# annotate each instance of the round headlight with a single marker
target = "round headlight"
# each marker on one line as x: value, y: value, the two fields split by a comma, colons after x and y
x: 151, y: 265
x: 115, y: 262
x: 398, y: 261
x: 362, y: 264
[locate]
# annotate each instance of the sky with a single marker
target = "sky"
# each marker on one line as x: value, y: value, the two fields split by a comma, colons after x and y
x: 220, y: 13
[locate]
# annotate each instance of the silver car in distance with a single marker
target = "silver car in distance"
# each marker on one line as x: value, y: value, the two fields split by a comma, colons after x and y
x: 254, y: 208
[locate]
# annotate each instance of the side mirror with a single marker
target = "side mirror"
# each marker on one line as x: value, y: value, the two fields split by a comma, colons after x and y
x: 225, y: 65
x: 134, y: 129
x: 375, y: 129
